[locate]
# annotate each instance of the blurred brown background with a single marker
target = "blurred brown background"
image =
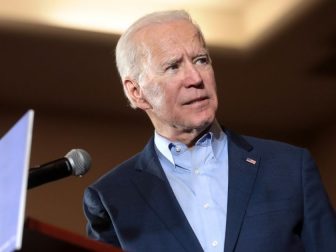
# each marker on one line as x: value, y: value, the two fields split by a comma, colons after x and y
x: 282, y: 87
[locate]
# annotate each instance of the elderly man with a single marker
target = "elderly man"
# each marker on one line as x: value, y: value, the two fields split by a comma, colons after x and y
x: 197, y: 186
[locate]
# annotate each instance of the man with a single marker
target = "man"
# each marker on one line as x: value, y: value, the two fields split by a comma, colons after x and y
x: 196, y: 186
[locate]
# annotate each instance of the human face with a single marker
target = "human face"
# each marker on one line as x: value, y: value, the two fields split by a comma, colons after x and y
x: 179, y: 83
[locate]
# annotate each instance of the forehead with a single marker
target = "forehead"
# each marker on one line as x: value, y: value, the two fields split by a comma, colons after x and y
x: 171, y: 36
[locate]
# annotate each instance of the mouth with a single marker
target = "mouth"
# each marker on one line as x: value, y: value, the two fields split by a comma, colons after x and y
x: 197, y: 100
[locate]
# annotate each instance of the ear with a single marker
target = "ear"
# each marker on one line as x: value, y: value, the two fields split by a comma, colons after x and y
x: 136, y: 95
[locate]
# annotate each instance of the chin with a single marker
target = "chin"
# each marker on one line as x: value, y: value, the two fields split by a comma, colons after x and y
x: 202, y: 123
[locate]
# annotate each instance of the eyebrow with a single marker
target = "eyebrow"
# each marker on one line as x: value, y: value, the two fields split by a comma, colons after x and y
x: 171, y: 61
x: 176, y: 59
x: 203, y: 52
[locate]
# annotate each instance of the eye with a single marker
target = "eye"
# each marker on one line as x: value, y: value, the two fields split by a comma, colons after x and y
x: 202, y: 60
x: 172, y: 67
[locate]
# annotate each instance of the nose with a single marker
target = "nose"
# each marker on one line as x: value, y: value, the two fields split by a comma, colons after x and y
x: 192, y: 76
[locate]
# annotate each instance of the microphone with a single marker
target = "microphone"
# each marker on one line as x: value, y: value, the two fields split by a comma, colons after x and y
x: 76, y: 162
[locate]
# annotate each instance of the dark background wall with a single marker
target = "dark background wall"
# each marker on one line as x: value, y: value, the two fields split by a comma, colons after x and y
x: 284, y: 89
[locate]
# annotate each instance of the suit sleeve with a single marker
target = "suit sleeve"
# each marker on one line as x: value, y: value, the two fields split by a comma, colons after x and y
x: 99, y: 225
x: 319, y: 224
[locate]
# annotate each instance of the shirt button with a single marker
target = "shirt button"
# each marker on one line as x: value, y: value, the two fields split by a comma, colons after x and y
x: 214, y: 243
x: 206, y: 205
x: 197, y: 171
x: 178, y: 148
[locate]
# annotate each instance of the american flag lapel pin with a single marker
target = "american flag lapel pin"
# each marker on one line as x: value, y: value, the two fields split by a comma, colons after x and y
x: 251, y: 161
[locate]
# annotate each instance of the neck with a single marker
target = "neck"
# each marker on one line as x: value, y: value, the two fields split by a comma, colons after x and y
x: 187, y: 136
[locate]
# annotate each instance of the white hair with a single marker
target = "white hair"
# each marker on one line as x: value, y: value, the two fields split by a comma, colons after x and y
x: 131, y: 55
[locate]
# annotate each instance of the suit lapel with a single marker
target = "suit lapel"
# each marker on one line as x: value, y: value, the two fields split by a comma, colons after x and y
x: 154, y: 187
x: 243, y: 168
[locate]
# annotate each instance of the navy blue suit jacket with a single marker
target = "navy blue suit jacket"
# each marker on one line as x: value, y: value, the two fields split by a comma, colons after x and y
x: 277, y: 204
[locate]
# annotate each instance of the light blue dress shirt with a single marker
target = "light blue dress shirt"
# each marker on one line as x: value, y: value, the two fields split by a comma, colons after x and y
x: 198, y: 177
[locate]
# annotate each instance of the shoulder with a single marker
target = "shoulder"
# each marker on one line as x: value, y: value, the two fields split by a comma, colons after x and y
x: 252, y: 142
x: 271, y: 145
x: 268, y: 149
x: 121, y: 175
x: 117, y: 175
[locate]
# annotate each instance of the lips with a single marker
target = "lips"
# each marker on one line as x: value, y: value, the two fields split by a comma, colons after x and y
x: 196, y: 100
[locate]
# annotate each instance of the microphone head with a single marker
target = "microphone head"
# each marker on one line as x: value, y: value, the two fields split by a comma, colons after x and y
x: 80, y: 161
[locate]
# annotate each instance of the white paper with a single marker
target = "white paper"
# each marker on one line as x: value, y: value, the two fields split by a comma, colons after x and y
x: 14, y: 164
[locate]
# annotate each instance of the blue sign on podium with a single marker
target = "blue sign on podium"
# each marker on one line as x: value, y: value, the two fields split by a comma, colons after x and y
x: 14, y: 164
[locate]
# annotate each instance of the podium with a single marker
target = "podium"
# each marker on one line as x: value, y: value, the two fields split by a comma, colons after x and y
x: 39, y: 236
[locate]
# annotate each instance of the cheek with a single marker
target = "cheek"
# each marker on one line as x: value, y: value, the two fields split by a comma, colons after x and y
x: 211, y: 88
x: 210, y: 80
x: 155, y: 95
